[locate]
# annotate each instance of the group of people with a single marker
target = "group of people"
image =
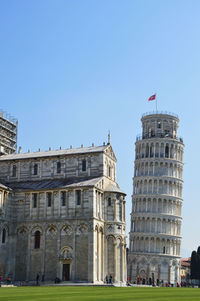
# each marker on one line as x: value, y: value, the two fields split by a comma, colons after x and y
x: 38, y: 279
x: 8, y: 280
x: 151, y: 281
x: 109, y: 279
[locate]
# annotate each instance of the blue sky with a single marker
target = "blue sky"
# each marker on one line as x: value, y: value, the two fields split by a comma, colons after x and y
x: 72, y: 70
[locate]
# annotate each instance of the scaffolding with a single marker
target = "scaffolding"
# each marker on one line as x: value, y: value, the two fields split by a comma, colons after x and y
x: 8, y: 133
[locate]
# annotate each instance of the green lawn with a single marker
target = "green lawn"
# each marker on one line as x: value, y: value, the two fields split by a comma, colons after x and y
x: 98, y: 293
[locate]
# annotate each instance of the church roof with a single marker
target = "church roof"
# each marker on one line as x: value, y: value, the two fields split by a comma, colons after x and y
x: 2, y: 186
x: 53, y: 184
x: 114, y: 188
x: 60, y: 152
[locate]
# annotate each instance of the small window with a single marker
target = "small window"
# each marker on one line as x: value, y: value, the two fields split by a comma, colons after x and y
x: 63, y: 198
x: 109, y: 201
x: 163, y: 250
x: 78, y: 197
x: 109, y: 171
x: 49, y: 199
x: 37, y: 239
x: 58, y: 167
x: 84, y: 165
x: 35, y: 169
x: 4, y: 236
x: 34, y: 200
x: 167, y: 151
x: 14, y: 171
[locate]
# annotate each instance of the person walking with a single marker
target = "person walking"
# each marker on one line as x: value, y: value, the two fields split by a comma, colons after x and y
x: 37, y: 279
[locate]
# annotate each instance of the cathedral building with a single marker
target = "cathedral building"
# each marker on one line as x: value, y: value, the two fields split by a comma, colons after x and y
x: 155, y: 234
x: 62, y: 214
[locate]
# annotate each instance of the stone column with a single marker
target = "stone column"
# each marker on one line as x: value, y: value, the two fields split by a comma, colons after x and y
x: 105, y: 256
x: 102, y: 256
x: 38, y: 205
x: 115, y: 210
x: 122, y: 262
x: 156, y: 225
x: 169, y: 273
x: 28, y: 257
x: 43, y: 251
x: 148, y: 269
x: 59, y: 266
x: 115, y: 261
x: 31, y: 204
x: 170, y: 227
x: 98, y: 257
x: 91, y: 256
x: 74, y: 257
x: 59, y: 203
x: 159, y: 271
x: 82, y: 202
x: 67, y: 203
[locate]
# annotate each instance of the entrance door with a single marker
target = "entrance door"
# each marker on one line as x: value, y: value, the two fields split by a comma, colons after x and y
x: 66, y: 272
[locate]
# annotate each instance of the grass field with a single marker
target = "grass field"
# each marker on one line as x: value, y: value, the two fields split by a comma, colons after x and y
x: 98, y: 293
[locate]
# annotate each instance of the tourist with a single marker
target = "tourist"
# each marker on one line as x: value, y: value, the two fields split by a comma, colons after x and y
x: 8, y: 280
x: 37, y: 279
x: 106, y: 279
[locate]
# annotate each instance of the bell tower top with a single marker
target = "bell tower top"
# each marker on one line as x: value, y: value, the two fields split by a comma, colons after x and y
x: 8, y: 133
x: 159, y: 124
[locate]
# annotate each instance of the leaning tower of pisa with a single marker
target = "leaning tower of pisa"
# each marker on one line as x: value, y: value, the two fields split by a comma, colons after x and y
x: 155, y: 234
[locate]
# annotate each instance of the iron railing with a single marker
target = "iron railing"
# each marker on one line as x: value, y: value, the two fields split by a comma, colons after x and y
x: 160, y: 112
x: 9, y: 117
x: 158, y: 135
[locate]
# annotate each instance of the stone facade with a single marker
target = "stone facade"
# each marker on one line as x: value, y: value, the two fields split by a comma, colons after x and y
x: 155, y: 234
x: 62, y: 215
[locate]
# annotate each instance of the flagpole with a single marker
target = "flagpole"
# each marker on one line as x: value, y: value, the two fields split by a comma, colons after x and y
x: 156, y: 104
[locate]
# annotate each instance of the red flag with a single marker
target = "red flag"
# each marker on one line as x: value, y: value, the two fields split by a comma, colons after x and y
x: 152, y: 97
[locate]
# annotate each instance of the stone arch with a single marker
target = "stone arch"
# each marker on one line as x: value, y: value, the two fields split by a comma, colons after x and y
x: 82, y: 228
x: 35, y: 228
x: 22, y: 230
x: 66, y: 253
x: 66, y: 229
x: 143, y: 260
x: 101, y: 229
x: 51, y: 230
x: 5, y: 226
